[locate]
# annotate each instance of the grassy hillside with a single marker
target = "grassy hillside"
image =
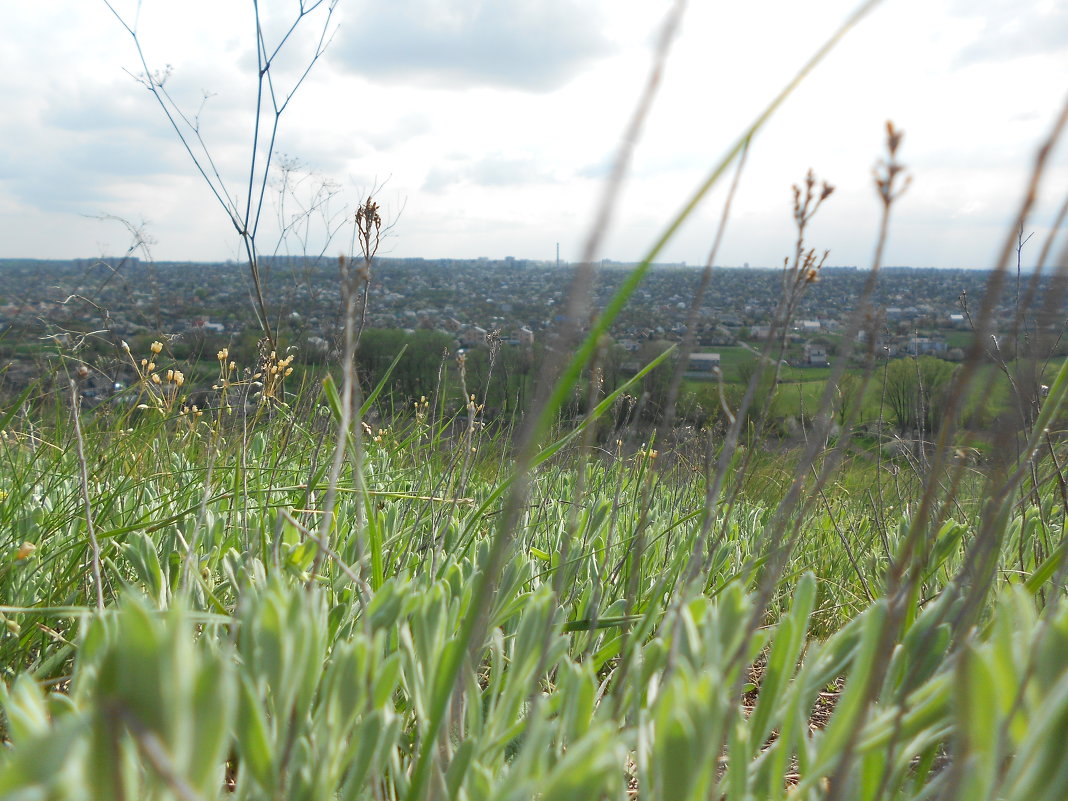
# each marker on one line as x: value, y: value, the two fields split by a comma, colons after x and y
x: 828, y: 589
x: 185, y: 617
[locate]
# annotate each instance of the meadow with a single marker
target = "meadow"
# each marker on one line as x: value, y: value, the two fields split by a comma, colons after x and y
x: 269, y: 584
x: 233, y: 602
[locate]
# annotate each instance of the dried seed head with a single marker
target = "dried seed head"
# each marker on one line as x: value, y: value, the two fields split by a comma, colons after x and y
x: 156, y: 347
x: 893, y: 137
x: 887, y: 173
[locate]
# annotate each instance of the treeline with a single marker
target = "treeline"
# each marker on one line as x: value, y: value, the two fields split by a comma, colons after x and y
x: 907, y: 396
x: 432, y: 365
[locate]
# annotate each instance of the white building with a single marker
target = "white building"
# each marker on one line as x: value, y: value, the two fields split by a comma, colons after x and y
x: 703, y: 363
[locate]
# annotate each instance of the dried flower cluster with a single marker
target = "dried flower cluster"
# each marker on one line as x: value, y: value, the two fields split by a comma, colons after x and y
x: 888, y: 172
x: 422, y: 409
x: 157, y: 390
x: 273, y: 373
x: 369, y: 231
x: 806, y: 266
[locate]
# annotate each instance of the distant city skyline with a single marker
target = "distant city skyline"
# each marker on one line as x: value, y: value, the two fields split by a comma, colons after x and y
x: 607, y: 263
x: 488, y: 128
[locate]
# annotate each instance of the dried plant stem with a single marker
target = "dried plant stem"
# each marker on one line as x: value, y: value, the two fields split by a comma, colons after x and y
x: 686, y: 347
x: 475, y: 621
x: 972, y: 360
x: 345, y: 429
x: 271, y: 103
x: 155, y: 753
x: 369, y: 236
x: 358, y: 582
x: 578, y: 295
x: 83, y: 473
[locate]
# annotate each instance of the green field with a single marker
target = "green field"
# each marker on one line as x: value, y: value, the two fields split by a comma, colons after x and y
x: 397, y: 573
x: 213, y: 607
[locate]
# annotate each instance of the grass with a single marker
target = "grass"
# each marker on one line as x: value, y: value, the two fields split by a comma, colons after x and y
x: 606, y: 663
x: 256, y: 599
x: 272, y: 598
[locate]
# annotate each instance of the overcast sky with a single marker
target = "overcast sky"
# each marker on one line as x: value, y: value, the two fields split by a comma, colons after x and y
x: 488, y: 125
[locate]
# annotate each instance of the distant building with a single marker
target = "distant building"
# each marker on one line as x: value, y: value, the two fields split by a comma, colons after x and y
x: 206, y: 325
x: 703, y: 363
x: 816, y: 356
x: 474, y: 335
x: 919, y: 346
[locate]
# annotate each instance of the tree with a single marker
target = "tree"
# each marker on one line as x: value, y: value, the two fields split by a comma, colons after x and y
x: 915, y: 390
x: 657, y: 382
x: 242, y: 198
x: 416, y: 373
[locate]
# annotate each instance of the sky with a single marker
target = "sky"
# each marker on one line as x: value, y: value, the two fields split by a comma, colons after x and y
x: 487, y: 128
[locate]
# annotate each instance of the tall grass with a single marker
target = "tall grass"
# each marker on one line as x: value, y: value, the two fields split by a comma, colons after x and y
x: 274, y: 598
x: 919, y: 668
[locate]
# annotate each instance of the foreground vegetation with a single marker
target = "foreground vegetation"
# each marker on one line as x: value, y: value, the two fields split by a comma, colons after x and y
x: 280, y: 595
x: 249, y: 592
x: 204, y: 613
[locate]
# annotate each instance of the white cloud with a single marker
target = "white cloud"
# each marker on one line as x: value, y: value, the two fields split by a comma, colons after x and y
x: 534, y: 45
x: 493, y: 122
x: 495, y: 170
x: 1005, y: 31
